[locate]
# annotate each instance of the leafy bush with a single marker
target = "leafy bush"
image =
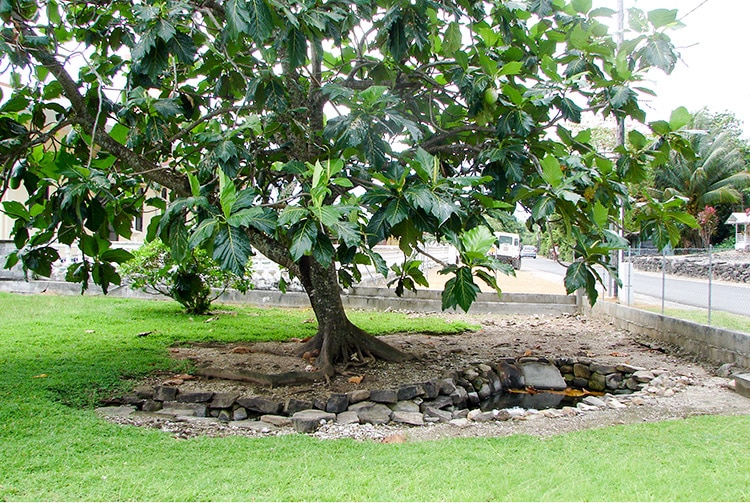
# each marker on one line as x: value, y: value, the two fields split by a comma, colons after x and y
x: 195, y: 283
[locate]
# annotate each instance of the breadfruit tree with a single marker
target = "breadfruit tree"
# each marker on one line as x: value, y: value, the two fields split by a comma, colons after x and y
x: 311, y: 130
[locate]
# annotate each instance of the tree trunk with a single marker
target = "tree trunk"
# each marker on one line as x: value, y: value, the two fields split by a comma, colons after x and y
x: 338, y: 340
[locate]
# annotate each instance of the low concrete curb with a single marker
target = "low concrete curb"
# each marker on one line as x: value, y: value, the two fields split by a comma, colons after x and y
x: 710, y: 343
x: 380, y: 299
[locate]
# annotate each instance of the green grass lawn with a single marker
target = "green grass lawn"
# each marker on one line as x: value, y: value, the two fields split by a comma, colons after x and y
x: 720, y: 319
x: 54, y: 447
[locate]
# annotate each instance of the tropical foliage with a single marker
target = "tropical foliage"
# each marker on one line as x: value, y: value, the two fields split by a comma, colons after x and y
x: 195, y: 283
x: 714, y: 176
x: 310, y: 131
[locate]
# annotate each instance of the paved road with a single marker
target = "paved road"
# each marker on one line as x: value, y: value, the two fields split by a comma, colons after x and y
x: 733, y: 298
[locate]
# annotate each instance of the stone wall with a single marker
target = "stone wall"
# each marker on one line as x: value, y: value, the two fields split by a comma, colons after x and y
x: 695, y: 267
x: 484, y: 392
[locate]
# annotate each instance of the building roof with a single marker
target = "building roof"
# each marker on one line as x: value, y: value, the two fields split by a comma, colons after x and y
x: 739, y: 218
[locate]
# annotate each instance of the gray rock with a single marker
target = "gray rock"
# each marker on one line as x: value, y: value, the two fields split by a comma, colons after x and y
x: 195, y: 396
x: 255, y: 425
x: 441, y: 402
x: 510, y: 376
x: 460, y: 397
x: 293, y: 406
x: 319, y: 403
x: 375, y: 414
x: 628, y: 369
x: 338, y: 402
x: 582, y: 371
x: 151, y: 406
x: 542, y: 376
x: 360, y: 405
x: 496, y: 386
x: 594, y: 401
x: 460, y: 423
x: 279, y: 421
x: 472, y: 398
x: 165, y: 393
x: 308, y: 421
x: 260, y: 404
x: 347, y: 417
x: 458, y: 414
x: 359, y: 395
x: 613, y: 381
x: 184, y: 409
x: 224, y: 415
x: 412, y: 418
x: 239, y: 414
x: 643, y: 376
x: 470, y: 374
x: 446, y: 386
x: 409, y: 391
x: 484, y: 368
x: 133, y: 399
x: 383, y: 396
x: 223, y: 400
x: 580, y: 382
x: 725, y: 370
x: 597, y: 382
x: 431, y: 389
x: 501, y: 415
x: 146, y: 392
x: 404, y: 406
x: 441, y: 415
x: 603, y: 369
x: 485, y: 391
x: 479, y: 416
x: 119, y: 411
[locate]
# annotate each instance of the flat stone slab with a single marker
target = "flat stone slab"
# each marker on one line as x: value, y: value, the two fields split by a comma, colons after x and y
x: 542, y: 376
x: 308, y: 421
x: 251, y: 424
x: 412, y: 418
x: 742, y: 384
x: 279, y: 421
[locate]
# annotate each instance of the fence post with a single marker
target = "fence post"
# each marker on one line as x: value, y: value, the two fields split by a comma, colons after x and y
x: 663, y: 278
x: 710, y: 281
x: 630, y: 275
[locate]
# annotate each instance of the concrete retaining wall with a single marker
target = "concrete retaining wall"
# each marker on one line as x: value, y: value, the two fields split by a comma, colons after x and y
x: 380, y: 299
x: 709, y: 343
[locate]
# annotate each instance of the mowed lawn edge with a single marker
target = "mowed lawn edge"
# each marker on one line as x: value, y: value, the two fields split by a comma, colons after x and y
x: 60, y: 355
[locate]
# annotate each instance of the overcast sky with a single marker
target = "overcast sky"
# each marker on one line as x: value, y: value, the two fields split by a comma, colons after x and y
x: 714, y: 69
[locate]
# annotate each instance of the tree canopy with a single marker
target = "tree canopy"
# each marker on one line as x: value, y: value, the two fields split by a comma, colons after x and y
x: 311, y: 130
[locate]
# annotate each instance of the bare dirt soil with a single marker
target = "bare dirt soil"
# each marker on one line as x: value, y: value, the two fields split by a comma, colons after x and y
x: 697, y: 389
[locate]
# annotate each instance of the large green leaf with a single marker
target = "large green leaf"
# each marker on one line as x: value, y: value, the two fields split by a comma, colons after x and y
x: 460, y: 290
x: 304, y: 239
x: 263, y: 219
x: 660, y: 53
x: 578, y: 276
x: 477, y: 241
x: 260, y: 20
x: 232, y: 249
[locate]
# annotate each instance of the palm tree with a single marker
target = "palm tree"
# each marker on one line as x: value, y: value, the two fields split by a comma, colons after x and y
x: 715, y: 177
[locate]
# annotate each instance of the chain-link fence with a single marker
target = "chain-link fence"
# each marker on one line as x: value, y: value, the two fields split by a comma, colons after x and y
x: 687, y: 278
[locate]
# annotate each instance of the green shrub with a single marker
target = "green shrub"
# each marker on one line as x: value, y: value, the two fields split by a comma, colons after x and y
x: 195, y: 283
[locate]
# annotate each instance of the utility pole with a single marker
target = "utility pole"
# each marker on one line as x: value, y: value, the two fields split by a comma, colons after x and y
x: 617, y: 256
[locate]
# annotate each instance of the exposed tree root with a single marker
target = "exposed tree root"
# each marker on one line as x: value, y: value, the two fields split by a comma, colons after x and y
x: 345, y: 345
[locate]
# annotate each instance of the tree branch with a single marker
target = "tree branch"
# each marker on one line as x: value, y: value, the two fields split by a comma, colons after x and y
x: 170, y: 179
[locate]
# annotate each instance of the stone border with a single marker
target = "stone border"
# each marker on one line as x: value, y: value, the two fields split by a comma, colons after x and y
x: 459, y: 398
